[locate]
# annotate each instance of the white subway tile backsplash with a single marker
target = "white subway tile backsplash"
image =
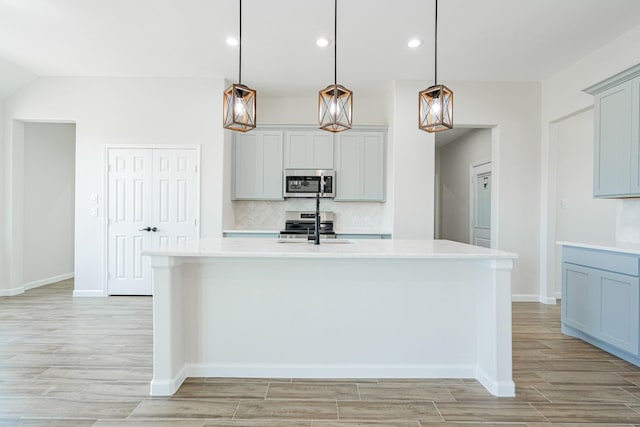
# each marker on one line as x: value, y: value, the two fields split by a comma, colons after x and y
x: 269, y: 215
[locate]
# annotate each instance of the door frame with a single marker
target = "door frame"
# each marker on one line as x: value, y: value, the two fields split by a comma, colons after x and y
x: 105, y: 220
x: 472, y: 198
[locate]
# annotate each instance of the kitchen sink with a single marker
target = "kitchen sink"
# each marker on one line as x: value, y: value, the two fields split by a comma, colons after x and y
x: 322, y: 242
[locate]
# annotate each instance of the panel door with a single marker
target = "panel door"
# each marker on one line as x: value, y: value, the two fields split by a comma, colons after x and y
x: 618, y: 310
x: 481, y: 205
x: 578, y: 297
x: 247, y: 166
x: 373, y: 167
x: 258, y: 166
x: 635, y: 135
x: 612, y: 156
x: 152, y: 203
x: 130, y: 188
x: 349, y: 168
x: 308, y: 150
x: 175, y: 197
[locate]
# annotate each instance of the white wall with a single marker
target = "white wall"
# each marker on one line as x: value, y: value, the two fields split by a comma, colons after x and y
x: 413, y: 168
x: 115, y: 111
x: 455, y: 160
x: 579, y: 217
x: 514, y: 110
x: 49, y: 182
x: 369, y: 109
x: 562, y: 96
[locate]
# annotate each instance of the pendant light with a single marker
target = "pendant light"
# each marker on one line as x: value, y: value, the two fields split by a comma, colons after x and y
x: 239, y: 102
x: 435, y: 104
x: 335, y: 102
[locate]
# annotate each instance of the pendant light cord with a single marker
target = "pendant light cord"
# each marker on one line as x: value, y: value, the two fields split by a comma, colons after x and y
x: 436, y: 47
x: 240, y: 47
x: 335, y: 42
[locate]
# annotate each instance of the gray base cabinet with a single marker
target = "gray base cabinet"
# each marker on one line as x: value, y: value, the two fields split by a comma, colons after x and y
x: 601, y: 300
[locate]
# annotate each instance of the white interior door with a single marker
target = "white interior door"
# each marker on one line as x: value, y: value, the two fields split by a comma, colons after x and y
x: 152, y: 203
x: 481, y: 205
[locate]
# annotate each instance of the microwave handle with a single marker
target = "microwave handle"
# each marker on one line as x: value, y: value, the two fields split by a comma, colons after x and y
x: 322, y: 181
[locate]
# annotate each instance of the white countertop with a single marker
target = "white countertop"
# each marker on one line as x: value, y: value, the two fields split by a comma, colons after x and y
x: 340, y: 248
x: 623, y: 247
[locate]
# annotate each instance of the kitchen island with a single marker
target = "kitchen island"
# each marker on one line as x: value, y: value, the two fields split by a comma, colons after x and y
x: 243, y: 307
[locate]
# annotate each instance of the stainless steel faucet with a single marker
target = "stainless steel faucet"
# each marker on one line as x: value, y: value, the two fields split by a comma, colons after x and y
x: 316, y: 233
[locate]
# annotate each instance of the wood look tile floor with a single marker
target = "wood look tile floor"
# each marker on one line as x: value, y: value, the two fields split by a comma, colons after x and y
x: 78, y: 362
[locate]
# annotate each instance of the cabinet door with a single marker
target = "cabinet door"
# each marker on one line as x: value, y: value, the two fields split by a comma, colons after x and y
x: 635, y: 136
x: 617, y: 310
x: 308, y: 150
x: 360, y: 166
x: 373, y: 167
x: 612, y: 155
x: 579, y: 307
x: 348, y: 167
x: 258, y: 165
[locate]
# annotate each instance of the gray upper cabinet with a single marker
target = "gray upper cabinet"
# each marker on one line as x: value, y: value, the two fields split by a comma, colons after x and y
x: 308, y: 150
x: 360, y: 166
x: 258, y: 165
x: 616, y: 172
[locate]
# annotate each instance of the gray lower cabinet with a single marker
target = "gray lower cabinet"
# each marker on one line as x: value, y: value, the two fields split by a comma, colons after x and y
x: 616, y: 172
x: 601, y: 300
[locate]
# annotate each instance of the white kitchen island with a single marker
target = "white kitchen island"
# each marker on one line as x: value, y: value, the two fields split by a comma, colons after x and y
x: 245, y: 307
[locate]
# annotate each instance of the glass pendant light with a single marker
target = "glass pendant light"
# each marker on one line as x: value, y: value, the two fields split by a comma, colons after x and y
x: 239, y: 102
x: 335, y: 102
x: 435, y: 104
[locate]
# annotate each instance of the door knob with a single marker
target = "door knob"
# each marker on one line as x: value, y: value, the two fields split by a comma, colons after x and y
x: 154, y: 229
x: 146, y: 229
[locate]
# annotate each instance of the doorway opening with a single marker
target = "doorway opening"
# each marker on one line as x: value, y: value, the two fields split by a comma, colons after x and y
x: 48, y: 203
x: 464, y: 186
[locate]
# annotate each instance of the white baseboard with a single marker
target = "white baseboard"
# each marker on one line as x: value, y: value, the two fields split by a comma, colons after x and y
x: 533, y: 298
x: 525, y: 298
x: 89, y: 294
x: 250, y: 370
x: 11, y: 292
x: 168, y: 387
x: 47, y: 281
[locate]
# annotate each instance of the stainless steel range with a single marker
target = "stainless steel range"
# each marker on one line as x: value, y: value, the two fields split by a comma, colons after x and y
x: 302, y: 225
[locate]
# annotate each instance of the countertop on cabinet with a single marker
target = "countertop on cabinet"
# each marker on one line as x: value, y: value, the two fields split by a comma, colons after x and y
x: 622, y: 247
x: 339, y: 248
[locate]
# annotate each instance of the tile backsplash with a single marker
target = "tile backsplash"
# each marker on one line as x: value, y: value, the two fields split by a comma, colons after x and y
x: 350, y: 216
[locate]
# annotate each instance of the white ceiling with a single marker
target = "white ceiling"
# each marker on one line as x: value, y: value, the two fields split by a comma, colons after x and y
x: 488, y: 40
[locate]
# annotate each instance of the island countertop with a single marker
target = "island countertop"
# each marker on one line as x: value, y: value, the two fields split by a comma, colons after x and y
x: 383, y: 248
x: 383, y: 308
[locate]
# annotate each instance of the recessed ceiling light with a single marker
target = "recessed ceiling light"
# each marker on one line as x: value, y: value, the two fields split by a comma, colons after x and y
x: 322, y: 42
x: 231, y: 41
x: 414, y: 43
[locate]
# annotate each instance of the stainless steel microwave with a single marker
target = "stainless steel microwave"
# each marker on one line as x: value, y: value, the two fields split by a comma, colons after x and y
x: 308, y: 183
